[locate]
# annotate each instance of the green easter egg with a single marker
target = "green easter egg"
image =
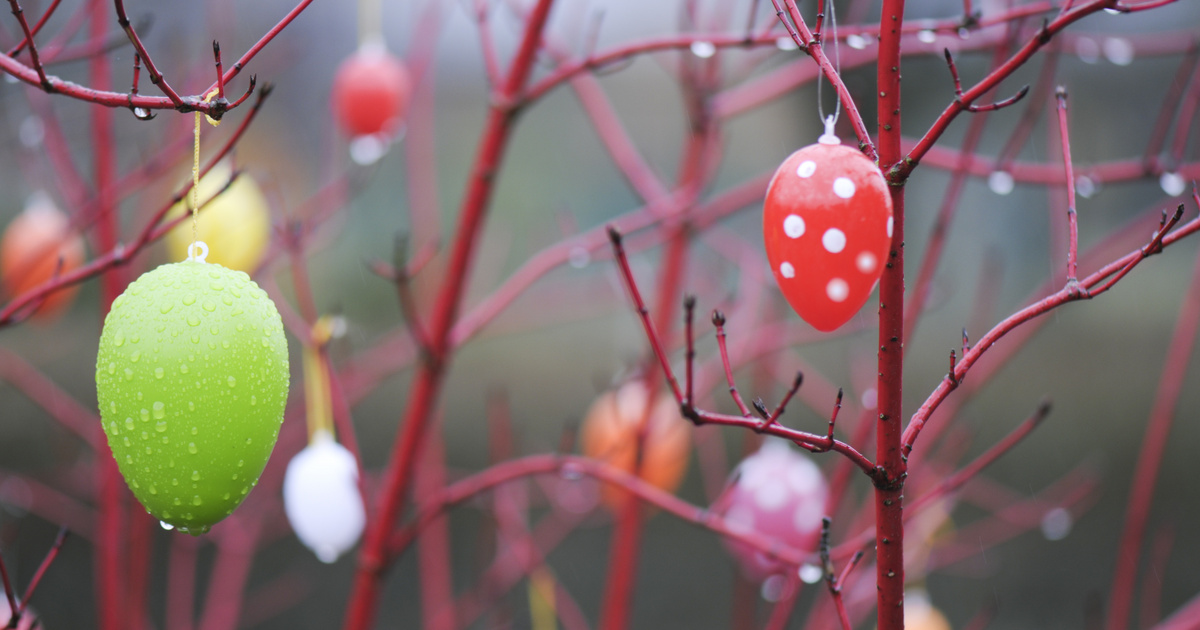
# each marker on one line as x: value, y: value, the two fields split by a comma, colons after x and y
x: 192, y: 379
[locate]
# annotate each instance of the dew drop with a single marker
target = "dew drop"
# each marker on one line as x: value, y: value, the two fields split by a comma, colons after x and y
x: 146, y: 436
x: 119, y: 340
x: 195, y: 475
x: 189, y: 299
x: 192, y: 320
x: 183, y: 368
x: 158, y: 373
x: 165, y: 525
x: 1172, y: 183
x: 145, y: 413
x: 136, y: 356
x: 216, y: 286
x: 140, y: 396
x: 227, y: 300
x: 134, y: 483
x: 192, y: 448
x: 214, y: 330
x: 129, y: 423
x: 225, y: 496
x: 112, y: 368
x: 191, y: 406
x: 209, y: 306
x: 128, y: 458
x: 1001, y: 182
x: 128, y: 374
x: 160, y: 411
x: 703, y: 49
x: 196, y: 500
x: 248, y: 440
x: 112, y: 407
x: 195, y: 431
x: 127, y: 442
x: 224, y: 344
x: 178, y: 502
x: 232, y: 381
x: 253, y: 400
x: 195, y: 338
x: 153, y: 490
x: 241, y: 463
x: 165, y: 308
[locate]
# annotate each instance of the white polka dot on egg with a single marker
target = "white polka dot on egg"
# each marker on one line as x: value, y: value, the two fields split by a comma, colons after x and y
x: 793, y: 226
x: 843, y: 187
x: 787, y: 270
x: 806, y: 169
x: 834, y: 240
x: 837, y: 290
x: 866, y: 262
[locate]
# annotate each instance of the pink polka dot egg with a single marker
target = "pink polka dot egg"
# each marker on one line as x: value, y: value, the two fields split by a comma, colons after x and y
x: 778, y: 492
x: 827, y: 226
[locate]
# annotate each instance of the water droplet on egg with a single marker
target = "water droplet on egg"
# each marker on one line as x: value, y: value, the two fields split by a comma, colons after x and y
x: 192, y: 320
x: 129, y: 423
x: 183, y: 368
x: 195, y: 475
x: 159, y: 411
x: 192, y: 448
x: 165, y: 525
x: 135, y: 357
x: 145, y: 413
x: 158, y: 373
x: 128, y: 374
x: 119, y: 340
x: 189, y: 299
x: 232, y: 381
x: 160, y: 426
x: 209, y: 305
x: 112, y: 368
x: 154, y: 490
x: 196, y: 500
x: 165, y: 308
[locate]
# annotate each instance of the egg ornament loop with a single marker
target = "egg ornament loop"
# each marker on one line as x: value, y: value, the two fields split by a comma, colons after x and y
x: 192, y: 379
x: 827, y: 228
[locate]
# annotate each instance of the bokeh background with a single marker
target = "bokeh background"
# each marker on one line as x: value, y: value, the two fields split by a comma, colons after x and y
x: 555, y: 350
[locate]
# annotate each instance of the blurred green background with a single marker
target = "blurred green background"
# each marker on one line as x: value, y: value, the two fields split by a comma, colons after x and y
x: 1100, y: 361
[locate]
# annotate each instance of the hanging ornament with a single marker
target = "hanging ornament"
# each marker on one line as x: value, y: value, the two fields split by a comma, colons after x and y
x: 321, y: 498
x: 320, y: 489
x: 370, y: 92
x: 777, y: 493
x: 30, y: 253
x: 610, y: 429
x: 236, y: 226
x: 827, y: 223
x: 192, y: 380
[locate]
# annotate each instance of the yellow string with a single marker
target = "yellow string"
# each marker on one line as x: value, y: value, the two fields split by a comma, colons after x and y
x: 317, y: 393
x: 196, y: 167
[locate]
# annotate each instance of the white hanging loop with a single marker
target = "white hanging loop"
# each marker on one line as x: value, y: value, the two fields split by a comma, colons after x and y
x: 200, y: 246
x: 829, y: 137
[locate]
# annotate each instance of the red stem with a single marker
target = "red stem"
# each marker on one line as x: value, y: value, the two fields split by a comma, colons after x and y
x: 1060, y: 96
x: 1158, y: 430
x: 431, y: 372
x: 889, y: 493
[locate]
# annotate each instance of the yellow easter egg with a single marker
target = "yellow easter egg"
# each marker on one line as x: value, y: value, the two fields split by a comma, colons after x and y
x: 236, y: 225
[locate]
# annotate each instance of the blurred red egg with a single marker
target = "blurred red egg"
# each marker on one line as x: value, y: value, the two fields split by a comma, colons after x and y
x: 609, y: 433
x: 30, y: 251
x: 370, y: 92
x: 778, y: 492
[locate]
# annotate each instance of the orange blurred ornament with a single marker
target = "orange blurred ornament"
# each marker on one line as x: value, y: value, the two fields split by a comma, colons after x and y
x: 920, y: 613
x: 370, y: 92
x: 33, y: 244
x: 610, y: 429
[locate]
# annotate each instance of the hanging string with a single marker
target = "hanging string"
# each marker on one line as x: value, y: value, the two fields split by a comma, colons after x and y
x: 198, y: 250
x: 837, y: 67
x: 370, y: 21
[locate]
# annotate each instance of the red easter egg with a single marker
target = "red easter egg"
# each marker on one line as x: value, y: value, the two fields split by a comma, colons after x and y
x: 778, y: 492
x: 827, y: 223
x: 370, y: 92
